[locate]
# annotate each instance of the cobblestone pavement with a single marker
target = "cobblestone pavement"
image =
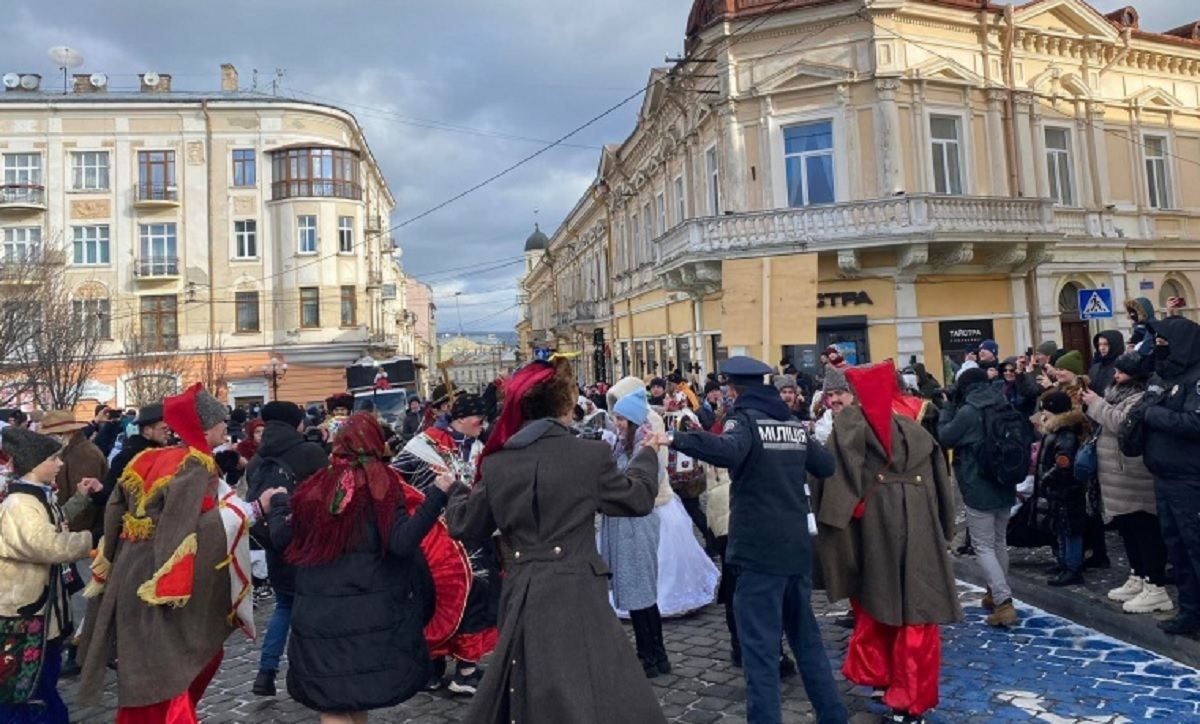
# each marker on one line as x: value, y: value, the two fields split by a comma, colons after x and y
x: 1046, y: 669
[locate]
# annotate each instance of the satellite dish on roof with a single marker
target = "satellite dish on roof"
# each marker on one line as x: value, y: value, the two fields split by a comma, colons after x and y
x: 98, y: 80
x: 12, y: 80
x: 30, y: 81
x: 150, y: 79
x: 65, y: 57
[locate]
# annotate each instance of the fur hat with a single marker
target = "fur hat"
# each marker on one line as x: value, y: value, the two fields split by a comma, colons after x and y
x: 212, y: 411
x: 1131, y: 364
x: 342, y: 399
x: 782, y: 382
x: 1048, y: 348
x: 467, y: 405
x: 288, y: 412
x: 27, y: 449
x: 1056, y: 403
x: 658, y: 382
x: 1071, y: 361
x: 835, y: 379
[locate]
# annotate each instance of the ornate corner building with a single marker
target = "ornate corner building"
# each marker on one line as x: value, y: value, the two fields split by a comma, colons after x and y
x: 915, y: 174
x: 186, y: 220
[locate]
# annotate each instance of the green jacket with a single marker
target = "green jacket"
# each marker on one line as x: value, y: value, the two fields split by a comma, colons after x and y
x: 961, y: 427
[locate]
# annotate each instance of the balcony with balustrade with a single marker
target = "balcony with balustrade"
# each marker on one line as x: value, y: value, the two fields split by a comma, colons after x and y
x: 22, y: 198
x: 155, y: 196
x: 156, y: 268
x: 928, y: 232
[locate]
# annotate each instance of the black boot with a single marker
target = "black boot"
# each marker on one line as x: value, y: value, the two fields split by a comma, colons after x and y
x: 787, y: 667
x: 264, y: 684
x: 654, y: 623
x: 1066, y: 578
x: 641, y: 638
x: 70, y: 666
x: 735, y: 646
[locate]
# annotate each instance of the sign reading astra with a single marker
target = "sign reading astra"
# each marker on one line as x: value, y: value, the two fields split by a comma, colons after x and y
x: 842, y: 299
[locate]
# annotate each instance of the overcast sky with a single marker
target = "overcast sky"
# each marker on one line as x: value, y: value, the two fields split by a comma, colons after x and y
x: 492, y: 69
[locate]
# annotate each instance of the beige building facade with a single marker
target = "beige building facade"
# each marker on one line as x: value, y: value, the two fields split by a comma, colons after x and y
x: 901, y: 179
x: 254, y: 223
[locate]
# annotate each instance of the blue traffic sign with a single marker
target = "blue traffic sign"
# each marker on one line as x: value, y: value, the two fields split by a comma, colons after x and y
x: 1095, y: 304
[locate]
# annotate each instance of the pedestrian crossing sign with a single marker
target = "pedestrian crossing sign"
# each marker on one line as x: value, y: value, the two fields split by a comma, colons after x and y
x: 1095, y: 304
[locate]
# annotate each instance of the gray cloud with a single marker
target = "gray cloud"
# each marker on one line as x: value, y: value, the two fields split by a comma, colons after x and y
x: 529, y: 68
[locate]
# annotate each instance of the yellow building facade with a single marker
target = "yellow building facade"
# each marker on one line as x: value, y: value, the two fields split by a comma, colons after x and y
x: 901, y: 180
x: 254, y: 224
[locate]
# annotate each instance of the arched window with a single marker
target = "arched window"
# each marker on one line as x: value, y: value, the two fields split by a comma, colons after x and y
x: 1068, y: 299
x: 1171, y: 288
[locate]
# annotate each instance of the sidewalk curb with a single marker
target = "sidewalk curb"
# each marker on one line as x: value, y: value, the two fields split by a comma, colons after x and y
x: 1140, y: 630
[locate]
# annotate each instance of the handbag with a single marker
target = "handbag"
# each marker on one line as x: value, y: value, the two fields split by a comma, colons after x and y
x: 1087, y: 461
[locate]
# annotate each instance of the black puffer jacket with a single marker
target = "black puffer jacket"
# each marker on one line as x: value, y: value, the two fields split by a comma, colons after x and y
x: 1172, y: 402
x: 283, y: 460
x: 358, y: 640
x: 1064, y: 434
x: 1103, y: 366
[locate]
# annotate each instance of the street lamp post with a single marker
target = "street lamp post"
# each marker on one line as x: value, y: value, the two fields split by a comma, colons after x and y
x: 274, y: 372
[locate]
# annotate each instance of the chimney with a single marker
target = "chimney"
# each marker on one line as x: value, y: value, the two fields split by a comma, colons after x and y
x: 229, y: 78
x: 155, y: 83
x: 90, y: 82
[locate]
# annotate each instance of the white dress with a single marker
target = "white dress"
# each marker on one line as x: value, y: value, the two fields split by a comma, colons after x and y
x: 687, y: 578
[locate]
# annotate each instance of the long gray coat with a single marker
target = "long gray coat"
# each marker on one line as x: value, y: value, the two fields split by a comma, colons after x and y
x: 630, y: 548
x: 893, y: 558
x: 562, y: 656
x: 1126, y: 486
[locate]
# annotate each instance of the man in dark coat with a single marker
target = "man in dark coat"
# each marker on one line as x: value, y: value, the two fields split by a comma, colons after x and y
x: 412, y: 420
x: 1172, y: 435
x: 1106, y: 348
x: 768, y: 452
x: 152, y: 432
x: 885, y: 519
x: 284, y: 460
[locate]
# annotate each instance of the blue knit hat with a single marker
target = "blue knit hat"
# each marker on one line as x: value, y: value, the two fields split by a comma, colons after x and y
x: 633, y: 407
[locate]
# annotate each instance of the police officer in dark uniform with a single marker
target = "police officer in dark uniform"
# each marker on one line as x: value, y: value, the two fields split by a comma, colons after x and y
x: 768, y: 452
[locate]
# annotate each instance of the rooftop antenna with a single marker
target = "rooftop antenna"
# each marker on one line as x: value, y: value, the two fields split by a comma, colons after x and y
x: 278, y: 81
x: 66, y: 59
x: 254, y: 80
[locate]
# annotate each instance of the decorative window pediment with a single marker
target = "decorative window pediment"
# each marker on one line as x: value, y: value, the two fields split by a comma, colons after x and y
x: 1154, y: 97
x: 795, y: 75
x: 1065, y: 17
x: 945, y: 70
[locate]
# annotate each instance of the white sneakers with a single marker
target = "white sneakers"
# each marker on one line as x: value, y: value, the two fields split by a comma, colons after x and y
x: 1128, y: 590
x: 1152, y: 598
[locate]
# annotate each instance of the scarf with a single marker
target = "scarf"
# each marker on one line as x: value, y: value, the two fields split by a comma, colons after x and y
x: 332, y: 509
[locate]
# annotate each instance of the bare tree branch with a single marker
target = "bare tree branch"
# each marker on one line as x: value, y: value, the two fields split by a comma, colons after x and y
x: 152, y: 373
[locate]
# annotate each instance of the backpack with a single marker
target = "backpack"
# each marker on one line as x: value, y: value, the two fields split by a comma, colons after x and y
x: 1004, y: 453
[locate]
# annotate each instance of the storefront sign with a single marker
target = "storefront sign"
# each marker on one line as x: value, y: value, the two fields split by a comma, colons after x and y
x: 962, y: 336
x: 842, y: 299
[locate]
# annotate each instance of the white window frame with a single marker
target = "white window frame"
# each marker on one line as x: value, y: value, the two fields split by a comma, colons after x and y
x: 648, y: 223
x: 90, y: 170
x: 23, y: 173
x: 712, y: 179
x: 778, y: 170
x: 94, y: 238
x: 635, y: 239
x: 680, y: 201
x: 22, y: 243
x: 301, y: 227
x: 660, y: 204
x: 1158, y: 198
x: 1053, y: 168
x: 345, y: 234
x: 245, y: 239
x: 960, y: 144
x: 805, y: 155
x: 166, y: 236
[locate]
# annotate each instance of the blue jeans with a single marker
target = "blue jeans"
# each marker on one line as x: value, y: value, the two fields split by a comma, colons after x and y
x: 277, y: 632
x: 1070, y: 551
x: 767, y: 606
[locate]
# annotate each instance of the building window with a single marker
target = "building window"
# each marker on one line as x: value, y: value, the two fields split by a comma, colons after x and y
x: 247, y: 311
x: 680, y: 208
x: 635, y: 240
x: 1171, y: 289
x: 306, y: 234
x: 660, y: 203
x: 808, y: 159
x: 90, y: 245
x: 345, y: 234
x: 1156, y: 172
x: 22, y: 178
x: 349, y: 307
x: 89, y: 170
x: 1058, y: 166
x: 156, y: 176
x: 160, y: 325
x: 245, y: 239
x: 94, y: 316
x: 648, y: 220
x: 158, y: 250
x: 315, y: 172
x: 713, y: 171
x: 22, y: 243
x: 310, y: 307
x: 946, y: 134
x: 243, y: 167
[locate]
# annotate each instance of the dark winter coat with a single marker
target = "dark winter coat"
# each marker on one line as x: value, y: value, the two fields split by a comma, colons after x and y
x: 892, y: 557
x: 1173, y: 404
x: 768, y: 454
x: 562, y: 656
x: 1103, y: 367
x: 411, y: 426
x: 960, y: 428
x: 1062, y: 436
x: 284, y: 460
x: 106, y: 435
x: 357, y: 640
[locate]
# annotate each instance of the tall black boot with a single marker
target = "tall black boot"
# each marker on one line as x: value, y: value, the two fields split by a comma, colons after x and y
x: 735, y: 646
x: 659, y: 647
x: 641, y: 637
